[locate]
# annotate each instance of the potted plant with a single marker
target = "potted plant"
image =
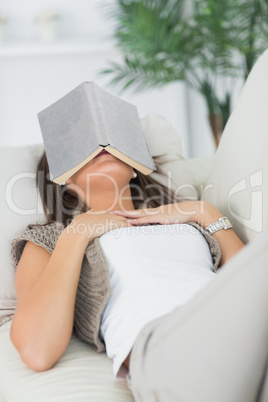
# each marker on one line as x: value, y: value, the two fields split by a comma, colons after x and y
x: 164, y: 41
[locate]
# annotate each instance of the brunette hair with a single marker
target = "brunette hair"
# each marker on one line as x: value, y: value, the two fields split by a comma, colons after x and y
x: 61, y: 204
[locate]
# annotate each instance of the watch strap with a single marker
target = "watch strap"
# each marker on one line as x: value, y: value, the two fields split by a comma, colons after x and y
x: 222, y: 223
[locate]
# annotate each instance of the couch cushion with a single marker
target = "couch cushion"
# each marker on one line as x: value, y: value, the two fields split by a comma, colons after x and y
x: 19, y: 207
x: 237, y: 184
x: 164, y: 141
x: 80, y: 375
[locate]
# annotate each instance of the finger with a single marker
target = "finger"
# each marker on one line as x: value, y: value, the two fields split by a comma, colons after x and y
x: 134, y: 213
x: 137, y: 212
x: 161, y: 220
x: 144, y: 220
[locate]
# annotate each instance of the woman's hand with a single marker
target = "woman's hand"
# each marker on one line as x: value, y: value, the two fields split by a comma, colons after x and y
x: 94, y: 223
x: 196, y: 211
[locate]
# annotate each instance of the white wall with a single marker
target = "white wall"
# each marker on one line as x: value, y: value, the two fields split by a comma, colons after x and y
x: 78, y: 17
x: 33, y: 75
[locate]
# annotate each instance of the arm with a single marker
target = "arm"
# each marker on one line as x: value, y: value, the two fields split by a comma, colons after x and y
x: 200, y: 212
x: 228, y: 241
x: 46, y: 287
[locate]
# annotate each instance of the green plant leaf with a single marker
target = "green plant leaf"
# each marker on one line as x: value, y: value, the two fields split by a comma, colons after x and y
x: 163, y: 42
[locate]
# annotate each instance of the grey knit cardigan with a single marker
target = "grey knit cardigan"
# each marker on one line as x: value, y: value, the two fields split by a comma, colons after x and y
x: 93, y: 289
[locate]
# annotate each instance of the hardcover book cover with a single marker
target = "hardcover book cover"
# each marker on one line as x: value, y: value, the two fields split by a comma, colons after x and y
x: 87, y: 120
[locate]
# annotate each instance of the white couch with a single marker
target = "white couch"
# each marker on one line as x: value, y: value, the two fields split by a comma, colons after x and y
x: 235, y: 180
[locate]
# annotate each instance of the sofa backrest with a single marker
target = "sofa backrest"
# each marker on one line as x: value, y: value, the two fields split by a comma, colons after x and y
x: 238, y: 184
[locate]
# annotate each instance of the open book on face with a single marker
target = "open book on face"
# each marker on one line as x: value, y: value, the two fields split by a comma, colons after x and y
x: 87, y: 120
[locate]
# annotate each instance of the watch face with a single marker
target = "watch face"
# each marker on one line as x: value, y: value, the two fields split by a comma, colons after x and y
x: 226, y: 221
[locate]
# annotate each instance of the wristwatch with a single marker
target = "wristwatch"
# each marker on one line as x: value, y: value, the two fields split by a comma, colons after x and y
x: 222, y: 223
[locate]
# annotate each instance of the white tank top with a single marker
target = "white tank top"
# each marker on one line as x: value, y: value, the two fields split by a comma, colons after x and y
x: 153, y: 269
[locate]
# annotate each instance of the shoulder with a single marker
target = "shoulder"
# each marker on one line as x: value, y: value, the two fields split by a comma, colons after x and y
x: 45, y: 236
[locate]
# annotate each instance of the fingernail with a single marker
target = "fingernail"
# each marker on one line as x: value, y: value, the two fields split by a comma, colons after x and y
x: 113, y: 212
x: 130, y: 220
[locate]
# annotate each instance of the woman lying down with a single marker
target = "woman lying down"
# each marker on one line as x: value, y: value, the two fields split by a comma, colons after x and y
x: 121, y: 261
